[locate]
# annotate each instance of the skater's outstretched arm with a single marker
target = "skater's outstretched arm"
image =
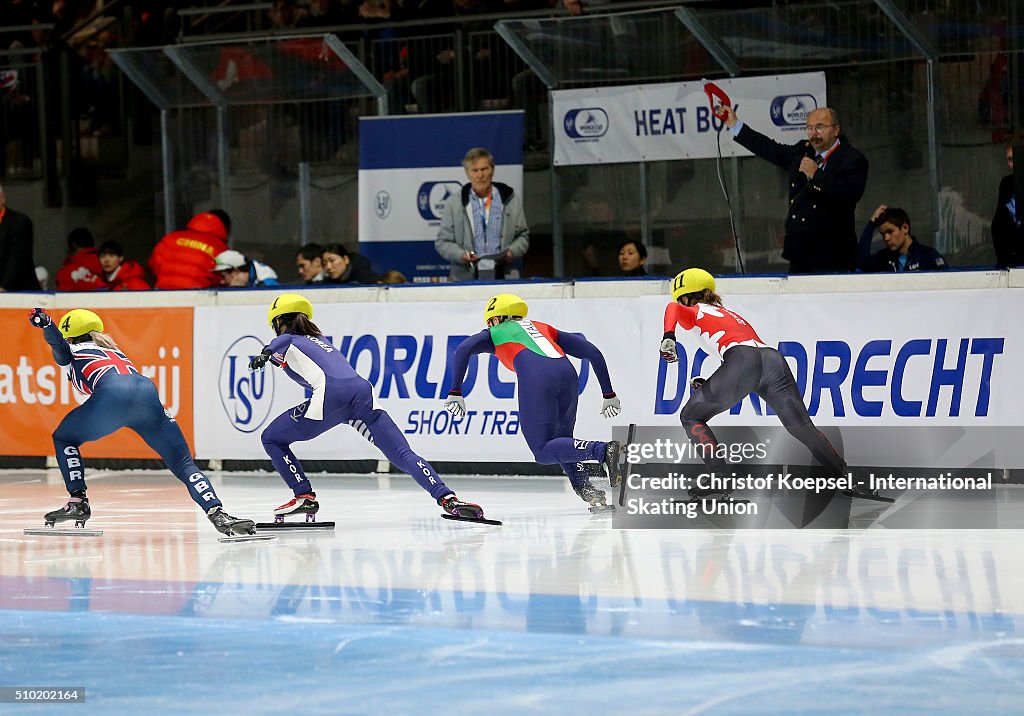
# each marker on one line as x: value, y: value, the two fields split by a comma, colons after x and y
x: 576, y: 345
x: 479, y: 343
x: 58, y: 346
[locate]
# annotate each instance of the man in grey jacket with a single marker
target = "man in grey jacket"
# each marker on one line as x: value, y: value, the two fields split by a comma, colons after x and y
x: 483, y: 227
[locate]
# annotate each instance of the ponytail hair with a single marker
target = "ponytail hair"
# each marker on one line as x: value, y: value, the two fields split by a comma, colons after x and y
x: 300, y: 325
x: 703, y: 296
x: 103, y: 340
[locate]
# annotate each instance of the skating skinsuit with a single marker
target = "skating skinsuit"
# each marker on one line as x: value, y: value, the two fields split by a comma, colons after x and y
x: 748, y: 366
x: 119, y: 397
x: 548, y: 387
x: 339, y: 395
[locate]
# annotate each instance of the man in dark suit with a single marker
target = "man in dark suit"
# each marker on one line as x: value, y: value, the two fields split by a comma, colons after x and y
x: 1007, y: 227
x: 826, y: 180
x: 17, y: 268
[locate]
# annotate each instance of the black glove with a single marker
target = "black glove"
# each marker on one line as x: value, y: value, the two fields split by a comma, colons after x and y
x: 696, y: 383
x: 259, y: 361
x: 38, y: 318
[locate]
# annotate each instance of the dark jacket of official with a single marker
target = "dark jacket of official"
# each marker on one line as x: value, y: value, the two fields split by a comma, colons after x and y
x: 17, y: 266
x: 821, y: 234
x: 1007, y: 234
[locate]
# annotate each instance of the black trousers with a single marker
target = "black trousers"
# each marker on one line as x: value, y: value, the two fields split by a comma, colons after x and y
x: 745, y: 370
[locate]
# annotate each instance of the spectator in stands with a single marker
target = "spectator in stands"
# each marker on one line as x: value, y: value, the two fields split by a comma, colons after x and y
x: 827, y: 176
x: 17, y: 267
x: 483, y: 227
x: 81, y: 270
x: 1007, y: 228
x: 238, y: 271
x: 633, y: 258
x: 392, y: 277
x: 309, y: 263
x: 342, y: 267
x: 121, y: 274
x: 902, y: 251
x: 184, y: 259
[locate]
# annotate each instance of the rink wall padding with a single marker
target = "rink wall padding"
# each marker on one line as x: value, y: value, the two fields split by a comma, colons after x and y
x: 888, y: 352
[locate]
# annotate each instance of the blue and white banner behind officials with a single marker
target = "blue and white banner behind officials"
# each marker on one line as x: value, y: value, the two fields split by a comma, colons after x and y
x: 635, y: 123
x: 409, y: 165
x: 858, y: 364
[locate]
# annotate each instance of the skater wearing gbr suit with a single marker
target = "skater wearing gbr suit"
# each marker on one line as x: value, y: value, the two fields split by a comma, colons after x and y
x: 548, y: 389
x: 119, y: 396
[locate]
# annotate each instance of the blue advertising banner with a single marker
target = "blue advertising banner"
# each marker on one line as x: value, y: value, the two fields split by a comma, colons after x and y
x: 408, y: 167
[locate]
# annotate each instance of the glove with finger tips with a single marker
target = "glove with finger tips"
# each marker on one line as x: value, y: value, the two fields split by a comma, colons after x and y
x: 38, y: 318
x: 455, y: 405
x: 668, y: 350
x: 258, y: 362
x: 611, y: 406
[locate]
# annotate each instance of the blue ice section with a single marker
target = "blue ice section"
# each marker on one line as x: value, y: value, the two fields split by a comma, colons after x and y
x: 146, y: 664
x: 439, y: 140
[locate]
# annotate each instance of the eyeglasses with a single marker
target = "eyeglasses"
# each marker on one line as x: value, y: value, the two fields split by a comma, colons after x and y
x: 817, y: 128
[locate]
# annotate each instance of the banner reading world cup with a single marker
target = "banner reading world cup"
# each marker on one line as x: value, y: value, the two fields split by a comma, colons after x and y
x: 409, y: 166
x: 638, y: 123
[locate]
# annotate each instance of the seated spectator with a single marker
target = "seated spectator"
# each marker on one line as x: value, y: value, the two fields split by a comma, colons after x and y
x: 633, y: 258
x: 902, y: 251
x: 81, y: 270
x: 309, y: 264
x: 238, y: 271
x: 392, y: 277
x: 185, y: 259
x: 121, y: 275
x: 342, y: 267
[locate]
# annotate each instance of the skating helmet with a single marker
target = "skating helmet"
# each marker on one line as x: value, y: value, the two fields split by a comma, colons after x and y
x: 289, y: 303
x: 505, y: 304
x: 690, y: 281
x: 78, y: 322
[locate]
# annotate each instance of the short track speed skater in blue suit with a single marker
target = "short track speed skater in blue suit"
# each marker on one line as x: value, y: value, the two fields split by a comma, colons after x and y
x: 340, y: 396
x: 548, y: 390
x: 119, y: 396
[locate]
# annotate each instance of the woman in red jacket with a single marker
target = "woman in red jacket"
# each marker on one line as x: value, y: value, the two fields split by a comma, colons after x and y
x: 121, y: 275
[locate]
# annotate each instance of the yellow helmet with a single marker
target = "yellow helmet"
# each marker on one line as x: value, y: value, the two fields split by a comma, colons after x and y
x: 78, y: 322
x: 505, y: 304
x: 289, y: 303
x: 690, y: 281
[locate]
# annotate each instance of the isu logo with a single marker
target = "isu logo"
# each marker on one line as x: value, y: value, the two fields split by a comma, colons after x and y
x: 247, y: 397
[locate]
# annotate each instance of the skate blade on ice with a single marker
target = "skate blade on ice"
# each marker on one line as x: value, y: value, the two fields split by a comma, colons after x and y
x: 873, y: 498
x: 63, y: 531
x: 246, y: 538
x: 478, y: 520
x: 295, y: 526
x: 601, y: 509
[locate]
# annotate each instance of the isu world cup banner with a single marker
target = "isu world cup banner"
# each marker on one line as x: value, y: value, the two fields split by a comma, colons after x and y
x: 35, y: 394
x: 409, y: 166
x: 636, y: 123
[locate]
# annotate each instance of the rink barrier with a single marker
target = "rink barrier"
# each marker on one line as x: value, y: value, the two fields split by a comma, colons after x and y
x: 643, y: 291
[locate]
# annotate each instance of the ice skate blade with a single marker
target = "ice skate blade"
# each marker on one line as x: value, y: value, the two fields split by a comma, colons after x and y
x: 63, y: 531
x: 478, y: 520
x: 295, y: 526
x: 246, y: 538
x: 872, y: 498
x: 601, y: 509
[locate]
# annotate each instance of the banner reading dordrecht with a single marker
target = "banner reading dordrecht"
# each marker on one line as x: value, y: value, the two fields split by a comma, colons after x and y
x: 636, y: 123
